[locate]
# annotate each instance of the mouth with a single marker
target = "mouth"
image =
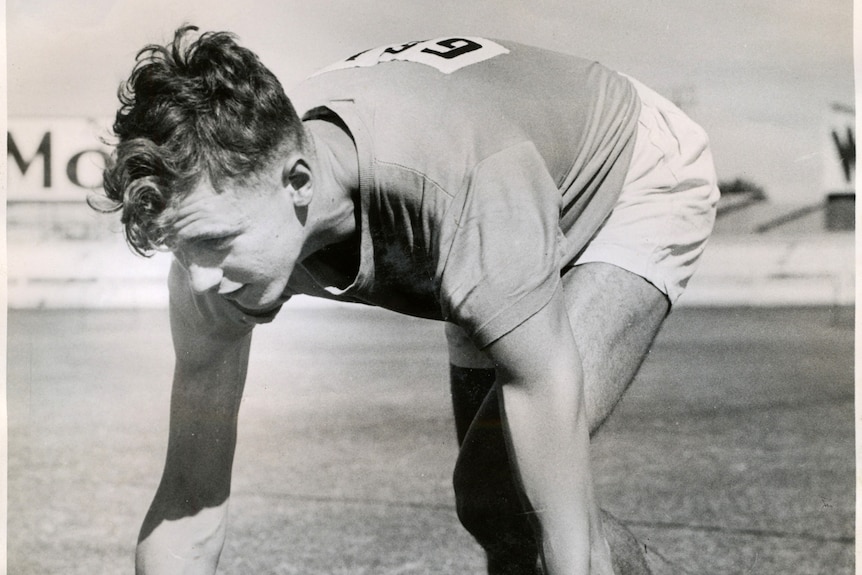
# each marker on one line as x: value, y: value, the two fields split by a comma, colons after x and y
x: 253, y: 298
x: 235, y: 298
x: 234, y: 294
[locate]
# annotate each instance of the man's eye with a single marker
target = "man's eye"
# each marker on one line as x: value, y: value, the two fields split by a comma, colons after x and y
x: 216, y: 244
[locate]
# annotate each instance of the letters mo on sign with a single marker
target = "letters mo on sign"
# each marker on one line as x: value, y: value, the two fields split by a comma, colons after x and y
x: 55, y: 159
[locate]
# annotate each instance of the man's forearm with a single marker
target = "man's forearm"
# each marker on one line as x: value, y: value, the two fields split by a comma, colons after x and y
x: 190, y: 545
x: 548, y: 440
x: 542, y: 402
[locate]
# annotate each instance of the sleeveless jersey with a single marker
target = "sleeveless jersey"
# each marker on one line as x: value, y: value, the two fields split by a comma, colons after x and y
x: 485, y: 167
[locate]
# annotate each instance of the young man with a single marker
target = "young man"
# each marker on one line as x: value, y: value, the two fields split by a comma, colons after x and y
x: 547, y: 209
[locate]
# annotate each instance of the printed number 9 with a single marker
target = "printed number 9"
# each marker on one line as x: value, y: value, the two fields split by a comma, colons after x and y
x: 457, y: 47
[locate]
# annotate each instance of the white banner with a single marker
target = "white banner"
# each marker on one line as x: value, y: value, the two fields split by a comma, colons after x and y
x: 839, y: 158
x: 55, y: 159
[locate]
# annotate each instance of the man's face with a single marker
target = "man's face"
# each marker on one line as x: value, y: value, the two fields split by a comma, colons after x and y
x: 241, y: 242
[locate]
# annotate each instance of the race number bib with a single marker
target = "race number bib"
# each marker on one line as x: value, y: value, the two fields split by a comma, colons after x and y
x: 445, y: 54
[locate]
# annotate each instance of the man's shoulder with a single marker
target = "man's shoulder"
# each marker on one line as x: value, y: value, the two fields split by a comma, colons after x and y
x: 441, y: 64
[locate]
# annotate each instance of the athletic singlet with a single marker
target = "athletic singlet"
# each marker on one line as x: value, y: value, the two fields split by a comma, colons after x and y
x: 485, y: 167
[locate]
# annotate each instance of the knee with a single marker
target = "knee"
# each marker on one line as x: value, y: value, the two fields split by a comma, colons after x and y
x: 472, y: 502
x: 497, y: 521
x: 490, y: 507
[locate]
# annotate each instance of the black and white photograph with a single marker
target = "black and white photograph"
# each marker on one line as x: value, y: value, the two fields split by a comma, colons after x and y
x: 420, y: 288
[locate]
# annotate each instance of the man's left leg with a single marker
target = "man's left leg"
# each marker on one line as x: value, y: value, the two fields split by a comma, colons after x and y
x: 488, y: 503
x: 615, y: 316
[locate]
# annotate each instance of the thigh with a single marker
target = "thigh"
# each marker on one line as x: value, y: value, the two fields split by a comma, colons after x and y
x: 462, y: 351
x: 615, y: 316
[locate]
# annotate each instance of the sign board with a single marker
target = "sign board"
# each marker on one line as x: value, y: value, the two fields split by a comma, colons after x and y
x: 55, y: 159
x: 839, y: 166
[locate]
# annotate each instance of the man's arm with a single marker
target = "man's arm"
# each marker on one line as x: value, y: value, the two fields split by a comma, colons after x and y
x: 541, y: 382
x: 184, y: 530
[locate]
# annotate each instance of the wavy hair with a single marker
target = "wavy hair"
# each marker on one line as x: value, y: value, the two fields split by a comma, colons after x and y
x: 198, y: 107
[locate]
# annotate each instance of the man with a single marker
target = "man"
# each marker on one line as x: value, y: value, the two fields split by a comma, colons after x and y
x: 547, y: 209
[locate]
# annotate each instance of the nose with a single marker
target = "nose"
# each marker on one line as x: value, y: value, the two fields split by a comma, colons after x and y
x: 204, y: 278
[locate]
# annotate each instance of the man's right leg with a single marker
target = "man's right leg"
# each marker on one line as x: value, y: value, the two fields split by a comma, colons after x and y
x: 488, y: 505
x: 615, y: 316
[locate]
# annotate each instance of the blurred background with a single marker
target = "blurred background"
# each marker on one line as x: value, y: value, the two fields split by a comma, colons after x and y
x: 770, y: 80
x: 733, y: 452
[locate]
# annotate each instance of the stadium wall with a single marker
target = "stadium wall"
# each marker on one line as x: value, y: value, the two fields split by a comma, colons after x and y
x: 735, y: 270
x: 61, y: 254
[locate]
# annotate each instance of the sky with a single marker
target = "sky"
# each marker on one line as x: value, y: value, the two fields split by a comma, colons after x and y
x: 759, y: 75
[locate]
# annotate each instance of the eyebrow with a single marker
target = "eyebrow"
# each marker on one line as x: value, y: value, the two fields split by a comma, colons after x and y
x: 190, y: 226
x: 204, y: 235
x: 200, y: 218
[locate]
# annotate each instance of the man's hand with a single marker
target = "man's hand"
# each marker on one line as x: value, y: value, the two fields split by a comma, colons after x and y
x: 184, y: 529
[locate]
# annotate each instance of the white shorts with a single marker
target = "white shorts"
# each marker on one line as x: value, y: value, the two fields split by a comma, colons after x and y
x: 665, y: 213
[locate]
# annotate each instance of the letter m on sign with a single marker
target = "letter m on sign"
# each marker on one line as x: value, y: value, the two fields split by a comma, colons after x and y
x: 43, y: 150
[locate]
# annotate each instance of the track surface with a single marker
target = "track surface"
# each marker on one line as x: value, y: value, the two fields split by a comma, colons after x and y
x: 732, y: 453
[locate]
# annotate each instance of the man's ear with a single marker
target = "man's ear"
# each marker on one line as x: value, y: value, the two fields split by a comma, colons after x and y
x: 297, y: 177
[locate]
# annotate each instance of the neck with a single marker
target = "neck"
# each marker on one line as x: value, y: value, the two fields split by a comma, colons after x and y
x: 331, y: 216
